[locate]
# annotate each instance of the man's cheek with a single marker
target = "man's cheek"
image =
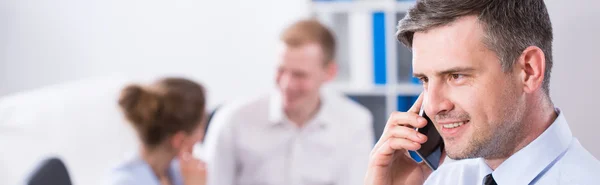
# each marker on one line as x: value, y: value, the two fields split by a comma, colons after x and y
x: 463, y: 96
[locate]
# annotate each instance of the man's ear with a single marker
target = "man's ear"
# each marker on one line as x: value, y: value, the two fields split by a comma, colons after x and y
x: 331, y: 69
x: 532, y: 65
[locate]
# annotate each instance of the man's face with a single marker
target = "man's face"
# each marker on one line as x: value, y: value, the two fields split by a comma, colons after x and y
x: 475, y: 105
x: 300, y: 74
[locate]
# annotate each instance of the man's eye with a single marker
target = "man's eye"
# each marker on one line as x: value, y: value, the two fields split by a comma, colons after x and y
x: 423, y: 79
x: 457, y: 76
x: 457, y: 79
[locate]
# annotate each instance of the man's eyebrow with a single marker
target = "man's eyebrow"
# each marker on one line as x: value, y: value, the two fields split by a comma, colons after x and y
x: 455, y: 70
x: 447, y: 71
x: 419, y: 75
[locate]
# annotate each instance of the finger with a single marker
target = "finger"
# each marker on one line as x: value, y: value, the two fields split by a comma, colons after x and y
x: 201, y: 165
x: 401, y: 143
x: 401, y: 119
x: 192, y: 166
x: 385, y: 148
x: 378, y: 145
x: 384, y: 155
x: 407, y: 119
x: 185, y: 156
x: 391, y: 145
x: 407, y: 133
x: 198, y: 162
x: 417, y: 105
x: 384, y: 136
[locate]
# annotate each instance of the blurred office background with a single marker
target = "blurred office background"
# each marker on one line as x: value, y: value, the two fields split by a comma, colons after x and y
x: 63, y: 62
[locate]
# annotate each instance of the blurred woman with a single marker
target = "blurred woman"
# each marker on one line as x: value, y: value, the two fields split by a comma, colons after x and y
x: 168, y: 117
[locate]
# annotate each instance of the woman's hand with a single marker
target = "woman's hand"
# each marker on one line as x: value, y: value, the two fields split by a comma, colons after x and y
x: 193, y: 170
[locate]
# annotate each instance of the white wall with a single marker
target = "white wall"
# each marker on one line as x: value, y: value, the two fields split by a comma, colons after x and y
x: 228, y: 45
x: 575, y: 82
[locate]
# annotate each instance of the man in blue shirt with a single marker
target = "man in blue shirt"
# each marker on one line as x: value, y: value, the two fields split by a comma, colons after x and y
x: 485, y: 67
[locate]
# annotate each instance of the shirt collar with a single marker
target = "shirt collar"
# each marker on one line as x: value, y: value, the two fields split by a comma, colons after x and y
x: 525, y: 165
x: 142, y: 168
x: 175, y: 171
x: 277, y: 116
x: 484, y: 169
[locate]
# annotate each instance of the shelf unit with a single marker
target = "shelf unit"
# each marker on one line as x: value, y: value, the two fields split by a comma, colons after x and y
x: 375, y: 69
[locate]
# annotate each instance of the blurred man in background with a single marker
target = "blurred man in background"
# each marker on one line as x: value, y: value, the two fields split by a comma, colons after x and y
x: 297, y: 134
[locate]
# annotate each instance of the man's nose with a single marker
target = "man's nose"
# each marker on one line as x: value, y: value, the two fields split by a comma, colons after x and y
x: 287, y: 81
x: 436, y: 99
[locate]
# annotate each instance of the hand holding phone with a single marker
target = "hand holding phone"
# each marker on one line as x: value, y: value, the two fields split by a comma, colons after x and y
x: 389, y: 162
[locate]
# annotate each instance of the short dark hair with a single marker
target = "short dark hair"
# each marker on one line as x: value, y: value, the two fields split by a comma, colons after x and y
x: 311, y: 31
x: 510, y: 26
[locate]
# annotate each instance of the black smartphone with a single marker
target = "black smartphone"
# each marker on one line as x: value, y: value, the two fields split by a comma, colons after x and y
x: 431, y: 150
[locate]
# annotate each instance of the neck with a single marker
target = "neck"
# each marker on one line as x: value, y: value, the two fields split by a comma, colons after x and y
x: 536, y: 120
x: 159, y: 160
x: 303, y: 114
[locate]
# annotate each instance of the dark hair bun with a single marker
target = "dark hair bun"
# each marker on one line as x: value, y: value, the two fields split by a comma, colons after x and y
x: 139, y: 105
